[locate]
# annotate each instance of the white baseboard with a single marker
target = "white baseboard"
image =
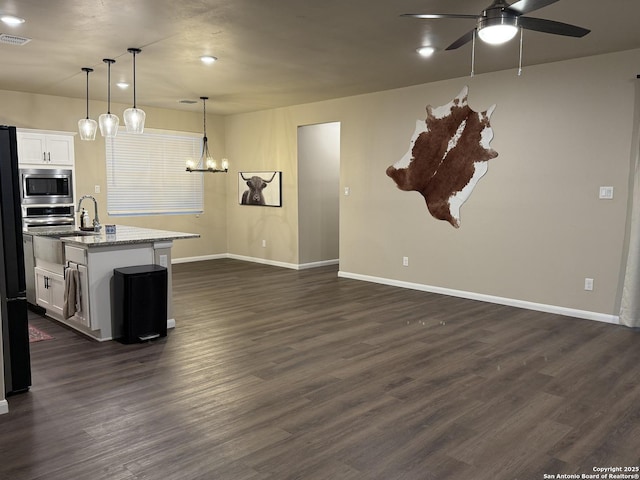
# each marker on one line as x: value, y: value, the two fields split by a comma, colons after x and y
x: 4, y: 407
x: 264, y: 261
x: 540, y: 307
x: 323, y: 263
x: 199, y: 259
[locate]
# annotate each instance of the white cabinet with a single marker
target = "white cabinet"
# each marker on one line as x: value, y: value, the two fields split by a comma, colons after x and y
x: 95, y: 268
x: 50, y: 291
x: 45, y: 149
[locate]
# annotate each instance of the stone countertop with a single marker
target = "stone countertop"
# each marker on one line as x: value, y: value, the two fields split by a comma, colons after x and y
x: 125, y: 235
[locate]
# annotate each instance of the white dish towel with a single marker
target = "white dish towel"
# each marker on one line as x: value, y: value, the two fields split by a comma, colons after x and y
x: 72, y: 302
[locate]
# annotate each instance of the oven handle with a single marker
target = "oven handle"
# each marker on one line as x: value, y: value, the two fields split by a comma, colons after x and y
x: 49, y: 221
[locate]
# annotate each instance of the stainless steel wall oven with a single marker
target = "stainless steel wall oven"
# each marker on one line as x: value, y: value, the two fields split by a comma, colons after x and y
x: 46, y: 197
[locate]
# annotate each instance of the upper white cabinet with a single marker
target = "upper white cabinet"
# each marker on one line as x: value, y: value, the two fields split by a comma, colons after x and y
x: 45, y: 149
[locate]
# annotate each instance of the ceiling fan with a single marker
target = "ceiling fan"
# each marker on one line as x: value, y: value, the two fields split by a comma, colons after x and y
x: 500, y: 22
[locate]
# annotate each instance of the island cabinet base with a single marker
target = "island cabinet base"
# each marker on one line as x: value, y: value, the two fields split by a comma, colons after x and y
x: 99, y: 262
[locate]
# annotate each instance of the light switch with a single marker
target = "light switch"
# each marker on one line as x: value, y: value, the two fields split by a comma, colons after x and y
x: 606, y: 193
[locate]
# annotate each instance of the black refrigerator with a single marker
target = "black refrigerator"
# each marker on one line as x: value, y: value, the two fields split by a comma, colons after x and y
x: 15, y: 329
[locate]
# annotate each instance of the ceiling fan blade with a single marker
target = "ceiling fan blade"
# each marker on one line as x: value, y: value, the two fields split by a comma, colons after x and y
x: 526, y: 6
x: 551, y: 26
x: 438, y: 15
x: 466, y: 38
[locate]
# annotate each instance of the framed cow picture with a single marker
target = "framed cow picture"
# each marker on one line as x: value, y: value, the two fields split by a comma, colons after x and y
x: 260, y: 188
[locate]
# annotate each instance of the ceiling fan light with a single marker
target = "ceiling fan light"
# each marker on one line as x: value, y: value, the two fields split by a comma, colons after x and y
x: 497, y: 34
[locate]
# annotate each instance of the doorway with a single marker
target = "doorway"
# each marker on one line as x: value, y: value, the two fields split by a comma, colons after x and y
x: 318, y: 194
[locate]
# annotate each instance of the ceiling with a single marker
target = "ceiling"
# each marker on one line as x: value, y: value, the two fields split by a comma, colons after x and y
x: 274, y: 53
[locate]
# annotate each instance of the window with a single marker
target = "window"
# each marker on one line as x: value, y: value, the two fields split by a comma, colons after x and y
x: 146, y: 174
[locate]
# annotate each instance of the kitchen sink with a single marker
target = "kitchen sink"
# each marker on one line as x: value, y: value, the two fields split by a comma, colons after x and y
x: 47, y: 245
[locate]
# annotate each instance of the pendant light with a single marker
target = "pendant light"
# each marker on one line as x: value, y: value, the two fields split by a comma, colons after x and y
x: 109, y: 122
x: 87, y: 126
x: 134, y: 117
x: 206, y: 162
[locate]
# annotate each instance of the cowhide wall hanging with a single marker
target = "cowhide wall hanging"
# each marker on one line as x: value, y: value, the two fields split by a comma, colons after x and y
x: 447, y: 156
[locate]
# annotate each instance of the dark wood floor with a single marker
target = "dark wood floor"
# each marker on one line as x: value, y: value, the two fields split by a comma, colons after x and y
x: 279, y: 374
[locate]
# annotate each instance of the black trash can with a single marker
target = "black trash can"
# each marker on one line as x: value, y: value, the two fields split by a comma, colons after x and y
x: 140, y: 303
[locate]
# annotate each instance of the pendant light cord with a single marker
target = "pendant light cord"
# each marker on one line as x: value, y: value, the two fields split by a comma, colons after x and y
x: 204, y: 116
x: 134, y: 52
x: 109, y: 89
x: 108, y: 61
x: 87, y: 94
x: 134, y: 79
x: 87, y: 70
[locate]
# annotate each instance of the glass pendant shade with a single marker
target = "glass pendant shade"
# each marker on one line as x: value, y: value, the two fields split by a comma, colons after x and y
x: 134, y: 120
x: 134, y: 117
x: 86, y: 126
x: 109, y: 124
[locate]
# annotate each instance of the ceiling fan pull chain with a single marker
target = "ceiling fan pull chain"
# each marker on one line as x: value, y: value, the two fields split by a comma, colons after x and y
x: 520, y: 64
x: 473, y: 54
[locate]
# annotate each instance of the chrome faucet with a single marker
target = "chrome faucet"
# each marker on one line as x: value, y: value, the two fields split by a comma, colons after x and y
x: 96, y: 222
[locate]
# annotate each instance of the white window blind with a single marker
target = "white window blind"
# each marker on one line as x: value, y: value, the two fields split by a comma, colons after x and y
x: 146, y: 174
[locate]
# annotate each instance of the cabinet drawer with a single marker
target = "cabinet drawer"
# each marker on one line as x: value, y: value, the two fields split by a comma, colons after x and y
x: 75, y: 254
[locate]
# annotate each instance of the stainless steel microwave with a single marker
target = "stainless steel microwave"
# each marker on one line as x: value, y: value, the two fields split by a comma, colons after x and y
x: 46, y: 186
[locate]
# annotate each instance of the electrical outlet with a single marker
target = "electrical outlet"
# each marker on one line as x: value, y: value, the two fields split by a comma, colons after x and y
x: 588, y: 284
x: 163, y: 261
x: 96, y: 189
x: 347, y: 191
x: 405, y: 261
x: 264, y: 243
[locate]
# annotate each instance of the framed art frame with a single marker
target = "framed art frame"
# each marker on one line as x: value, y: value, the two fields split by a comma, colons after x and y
x: 262, y: 189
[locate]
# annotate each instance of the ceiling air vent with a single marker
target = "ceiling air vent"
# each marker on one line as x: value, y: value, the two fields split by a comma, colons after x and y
x: 13, y: 39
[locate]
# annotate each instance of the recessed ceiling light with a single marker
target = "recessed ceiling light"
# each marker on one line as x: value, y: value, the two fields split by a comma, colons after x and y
x: 11, y: 19
x: 426, y: 51
x: 122, y: 85
x: 208, y: 59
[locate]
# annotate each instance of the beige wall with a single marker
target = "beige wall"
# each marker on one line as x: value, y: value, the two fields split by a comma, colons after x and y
x: 263, y: 141
x: 532, y: 230
x: 56, y: 113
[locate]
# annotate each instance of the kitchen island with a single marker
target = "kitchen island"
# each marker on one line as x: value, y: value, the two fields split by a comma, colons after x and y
x: 95, y: 255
